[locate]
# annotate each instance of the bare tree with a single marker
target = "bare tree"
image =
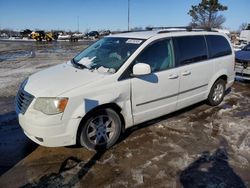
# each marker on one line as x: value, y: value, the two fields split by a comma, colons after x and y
x: 205, y: 14
x: 243, y: 26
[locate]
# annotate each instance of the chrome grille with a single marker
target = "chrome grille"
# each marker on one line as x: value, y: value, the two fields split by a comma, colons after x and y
x: 244, y: 63
x: 22, y: 101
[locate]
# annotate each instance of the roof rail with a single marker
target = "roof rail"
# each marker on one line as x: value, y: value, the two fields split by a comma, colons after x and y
x: 178, y: 27
x: 175, y: 29
x: 132, y: 31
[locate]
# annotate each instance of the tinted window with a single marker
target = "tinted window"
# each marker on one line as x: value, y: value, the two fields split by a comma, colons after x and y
x: 158, y: 55
x: 218, y: 46
x: 190, y: 49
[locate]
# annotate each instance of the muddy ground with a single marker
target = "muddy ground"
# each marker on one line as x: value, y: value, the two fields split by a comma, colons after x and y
x: 199, y: 146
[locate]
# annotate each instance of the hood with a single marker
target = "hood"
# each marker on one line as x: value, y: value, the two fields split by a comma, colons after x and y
x: 58, y: 79
x: 243, y: 55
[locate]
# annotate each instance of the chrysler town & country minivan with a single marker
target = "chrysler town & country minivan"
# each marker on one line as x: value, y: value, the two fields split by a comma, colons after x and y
x: 123, y: 80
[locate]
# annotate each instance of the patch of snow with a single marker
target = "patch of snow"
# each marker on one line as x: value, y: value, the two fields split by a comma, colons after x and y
x: 222, y: 111
x: 161, y: 174
x: 159, y: 157
x: 137, y: 176
x: 160, y: 126
x: 245, y: 145
x: 147, y: 164
x: 181, y: 162
x: 128, y: 155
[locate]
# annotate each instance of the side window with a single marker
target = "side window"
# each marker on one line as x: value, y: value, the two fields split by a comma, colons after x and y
x: 218, y: 46
x: 190, y: 49
x: 159, y: 55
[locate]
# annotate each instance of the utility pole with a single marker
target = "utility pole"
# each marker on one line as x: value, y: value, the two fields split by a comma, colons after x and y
x: 78, y: 24
x: 128, y: 13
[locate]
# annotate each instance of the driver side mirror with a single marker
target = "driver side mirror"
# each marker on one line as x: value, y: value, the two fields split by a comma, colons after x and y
x: 141, y: 69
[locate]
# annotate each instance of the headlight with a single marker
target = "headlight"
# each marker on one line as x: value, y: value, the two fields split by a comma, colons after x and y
x: 50, y: 106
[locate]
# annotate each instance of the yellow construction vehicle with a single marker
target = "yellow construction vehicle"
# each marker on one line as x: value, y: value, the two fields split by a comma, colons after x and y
x: 41, y: 35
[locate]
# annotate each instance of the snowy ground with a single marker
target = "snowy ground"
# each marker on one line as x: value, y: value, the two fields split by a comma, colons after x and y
x: 199, y: 145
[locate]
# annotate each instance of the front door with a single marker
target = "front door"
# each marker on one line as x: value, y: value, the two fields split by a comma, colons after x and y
x: 155, y: 94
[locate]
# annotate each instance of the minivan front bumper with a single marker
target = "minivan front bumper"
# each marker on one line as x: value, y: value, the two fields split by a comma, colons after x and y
x: 52, y: 133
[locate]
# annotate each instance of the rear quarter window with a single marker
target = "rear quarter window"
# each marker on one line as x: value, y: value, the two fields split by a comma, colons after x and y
x: 218, y: 46
x: 190, y: 49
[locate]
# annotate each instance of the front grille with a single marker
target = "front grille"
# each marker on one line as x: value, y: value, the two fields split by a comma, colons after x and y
x: 23, y: 100
x: 242, y: 74
x: 244, y: 63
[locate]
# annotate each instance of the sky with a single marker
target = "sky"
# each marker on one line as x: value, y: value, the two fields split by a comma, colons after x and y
x: 108, y: 14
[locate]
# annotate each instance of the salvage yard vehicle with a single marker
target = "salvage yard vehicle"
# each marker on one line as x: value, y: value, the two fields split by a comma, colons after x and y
x: 242, y: 63
x: 92, y: 35
x: 123, y: 80
x: 41, y: 35
x: 245, y: 34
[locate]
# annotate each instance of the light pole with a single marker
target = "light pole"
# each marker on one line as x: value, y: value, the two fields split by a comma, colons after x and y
x: 128, y: 13
x: 77, y: 23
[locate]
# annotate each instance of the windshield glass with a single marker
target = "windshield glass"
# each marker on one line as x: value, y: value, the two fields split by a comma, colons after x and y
x: 107, y: 54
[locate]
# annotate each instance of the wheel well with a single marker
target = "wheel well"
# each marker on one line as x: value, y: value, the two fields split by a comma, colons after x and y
x: 112, y: 106
x: 223, y: 77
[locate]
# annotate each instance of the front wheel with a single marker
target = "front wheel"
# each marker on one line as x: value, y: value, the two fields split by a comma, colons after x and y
x: 101, y: 130
x: 217, y: 93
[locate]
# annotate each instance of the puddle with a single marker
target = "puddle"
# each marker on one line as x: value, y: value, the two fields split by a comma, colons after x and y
x: 226, y: 106
x: 242, y: 114
x: 57, y: 50
x: 10, y: 56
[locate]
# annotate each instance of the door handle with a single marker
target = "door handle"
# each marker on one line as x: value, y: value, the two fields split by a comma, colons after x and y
x: 186, y: 73
x: 173, y: 76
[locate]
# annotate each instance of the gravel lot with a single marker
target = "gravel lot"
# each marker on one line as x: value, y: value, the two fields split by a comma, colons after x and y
x: 197, y: 146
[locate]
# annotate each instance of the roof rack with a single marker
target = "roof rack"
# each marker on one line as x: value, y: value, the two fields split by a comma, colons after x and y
x: 177, y: 29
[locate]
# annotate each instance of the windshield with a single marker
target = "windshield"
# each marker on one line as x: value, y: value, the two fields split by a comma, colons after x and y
x: 107, y: 54
x: 246, y: 48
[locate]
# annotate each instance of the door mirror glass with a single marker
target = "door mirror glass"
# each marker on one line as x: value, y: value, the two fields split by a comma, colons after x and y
x: 141, y: 69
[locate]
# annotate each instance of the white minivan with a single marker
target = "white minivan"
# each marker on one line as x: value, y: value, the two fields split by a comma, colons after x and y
x: 123, y: 80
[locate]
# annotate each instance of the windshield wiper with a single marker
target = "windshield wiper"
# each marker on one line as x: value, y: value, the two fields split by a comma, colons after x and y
x: 78, y: 65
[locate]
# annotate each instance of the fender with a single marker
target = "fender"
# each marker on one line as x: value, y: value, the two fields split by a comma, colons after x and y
x: 101, y: 96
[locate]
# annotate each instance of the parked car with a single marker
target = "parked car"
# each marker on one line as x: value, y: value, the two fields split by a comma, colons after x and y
x: 245, y: 35
x: 92, y: 34
x: 242, y: 63
x: 123, y: 80
x: 105, y: 32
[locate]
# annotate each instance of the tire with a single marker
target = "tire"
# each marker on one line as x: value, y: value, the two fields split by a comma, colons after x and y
x: 217, y: 93
x: 100, y: 130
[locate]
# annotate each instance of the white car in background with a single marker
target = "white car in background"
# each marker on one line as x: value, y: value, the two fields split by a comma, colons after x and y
x: 245, y: 35
x: 123, y: 80
x: 242, y: 63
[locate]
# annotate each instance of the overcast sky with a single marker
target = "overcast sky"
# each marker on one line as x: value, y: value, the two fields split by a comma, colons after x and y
x: 108, y: 14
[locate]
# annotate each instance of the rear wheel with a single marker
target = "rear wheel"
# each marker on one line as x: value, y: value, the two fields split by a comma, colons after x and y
x: 217, y: 93
x: 101, y: 130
